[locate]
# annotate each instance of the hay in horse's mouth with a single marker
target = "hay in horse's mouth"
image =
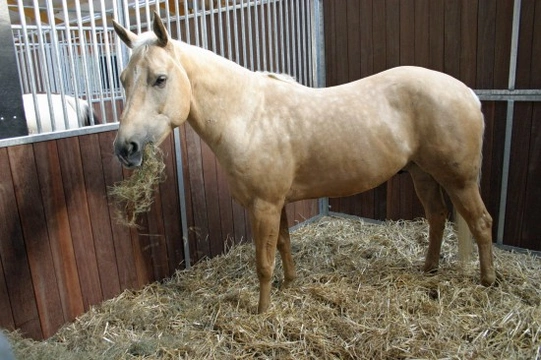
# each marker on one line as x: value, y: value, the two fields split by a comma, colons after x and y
x: 135, y: 194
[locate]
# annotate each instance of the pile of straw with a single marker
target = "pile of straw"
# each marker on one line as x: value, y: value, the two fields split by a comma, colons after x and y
x: 134, y: 195
x: 360, y: 295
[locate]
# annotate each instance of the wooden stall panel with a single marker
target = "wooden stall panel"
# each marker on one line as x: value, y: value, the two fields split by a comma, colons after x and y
x: 19, y: 308
x: 36, y: 238
x: 58, y: 228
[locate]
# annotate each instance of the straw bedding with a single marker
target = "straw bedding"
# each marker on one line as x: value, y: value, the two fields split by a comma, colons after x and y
x: 360, y: 295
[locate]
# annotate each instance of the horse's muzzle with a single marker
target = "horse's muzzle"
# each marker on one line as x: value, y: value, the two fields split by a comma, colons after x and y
x: 129, y: 154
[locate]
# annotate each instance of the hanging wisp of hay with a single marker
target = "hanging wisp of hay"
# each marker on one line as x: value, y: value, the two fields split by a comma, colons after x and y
x: 135, y: 194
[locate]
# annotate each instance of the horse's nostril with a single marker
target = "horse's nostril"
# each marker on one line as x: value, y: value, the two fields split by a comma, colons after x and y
x: 133, y: 147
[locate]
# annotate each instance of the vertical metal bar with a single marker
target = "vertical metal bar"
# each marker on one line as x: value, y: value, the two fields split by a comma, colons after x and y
x: 274, y: 32
x: 195, y: 23
x: 95, y: 53
x: 177, y: 18
x: 267, y: 25
x: 250, y: 39
x: 318, y: 67
x: 186, y: 23
x: 82, y: 45
x: 243, y: 35
x: 282, y: 39
x: 304, y: 34
x: 213, y: 27
x: 291, y: 50
x: 509, y: 122
x: 30, y: 63
x: 55, y: 60
x: 221, y: 28
x: 263, y: 36
x: 236, y: 31
x: 43, y: 63
x: 228, y: 30
x: 318, y: 44
x: 182, y: 197
x: 256, y: 28
x: 108, y: 62
x: 298, y: 61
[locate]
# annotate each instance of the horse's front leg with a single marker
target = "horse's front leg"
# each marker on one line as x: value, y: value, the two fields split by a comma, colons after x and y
x: 265, y: 219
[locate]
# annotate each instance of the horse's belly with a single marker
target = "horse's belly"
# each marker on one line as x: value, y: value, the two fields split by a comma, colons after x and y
x: 340, y: 180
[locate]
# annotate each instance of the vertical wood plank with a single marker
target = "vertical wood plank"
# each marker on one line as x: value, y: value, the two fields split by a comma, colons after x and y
x: 392, y: 31
x: 352, y: 19
x: 123, y: 249
x: 212, y: 200
x: 36, y: 238
x: 468, y: 35
x: 452, y: 38
x: 436, y: 42
x: 201, y: 223
x: 79, y: 218
x: 407, y: 32
x: 171, y: 209
x: 54, y: 203
x: 502, y: 41
x: 95, y: 188
x: 19, y: 289
x: 486, y: 44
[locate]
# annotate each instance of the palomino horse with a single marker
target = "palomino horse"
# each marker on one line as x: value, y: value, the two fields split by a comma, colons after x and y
x: 279, y: 141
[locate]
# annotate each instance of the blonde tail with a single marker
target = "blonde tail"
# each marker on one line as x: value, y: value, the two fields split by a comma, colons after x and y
x: 465, y: 240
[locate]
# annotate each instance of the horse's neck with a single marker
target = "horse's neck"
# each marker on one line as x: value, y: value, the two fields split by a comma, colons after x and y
x: 220, y: 91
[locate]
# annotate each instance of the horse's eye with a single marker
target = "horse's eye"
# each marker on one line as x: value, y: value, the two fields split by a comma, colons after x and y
x: 160, y: 81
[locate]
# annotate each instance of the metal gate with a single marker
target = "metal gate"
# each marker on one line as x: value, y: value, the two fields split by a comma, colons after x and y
x: 69, y: 48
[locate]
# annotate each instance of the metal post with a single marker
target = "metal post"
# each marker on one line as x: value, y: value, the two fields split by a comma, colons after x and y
x: 318, y: 67
x: 509, y: 123
x: 182, y: 198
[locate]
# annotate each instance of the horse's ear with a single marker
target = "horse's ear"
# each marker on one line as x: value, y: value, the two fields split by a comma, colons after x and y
x: 159, y: 30
x: 124, y: 34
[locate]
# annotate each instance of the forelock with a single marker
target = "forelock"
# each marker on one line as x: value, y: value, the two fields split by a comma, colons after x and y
x: 145, y: 39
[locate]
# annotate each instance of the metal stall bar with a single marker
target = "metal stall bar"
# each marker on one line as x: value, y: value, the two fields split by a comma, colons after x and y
x: 509, y: 123
x: 55, y: 63
x: 318, y: 67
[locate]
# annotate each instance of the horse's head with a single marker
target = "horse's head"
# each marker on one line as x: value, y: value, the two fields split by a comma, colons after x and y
x: 157, y: 92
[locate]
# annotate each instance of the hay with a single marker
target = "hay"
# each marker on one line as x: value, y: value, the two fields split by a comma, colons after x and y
x: 135, y: 194
x: 360, y: 294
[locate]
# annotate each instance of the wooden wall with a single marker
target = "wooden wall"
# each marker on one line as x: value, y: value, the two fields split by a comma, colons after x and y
x: 61, y: 249
x: 471, y: 41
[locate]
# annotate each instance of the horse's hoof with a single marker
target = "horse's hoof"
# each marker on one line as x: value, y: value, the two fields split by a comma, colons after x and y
x: 286, y: 284
x: 430, y: 269
x: 488, y: 280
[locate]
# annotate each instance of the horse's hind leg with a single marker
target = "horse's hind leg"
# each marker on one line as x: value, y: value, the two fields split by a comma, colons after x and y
x: 430, y: 195
x: 467, y: 200
x: 284, y: 247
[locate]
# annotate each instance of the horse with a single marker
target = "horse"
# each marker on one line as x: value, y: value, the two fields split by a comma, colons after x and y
x: 279, y: 141
x: 77, y: 112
